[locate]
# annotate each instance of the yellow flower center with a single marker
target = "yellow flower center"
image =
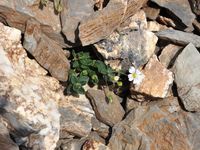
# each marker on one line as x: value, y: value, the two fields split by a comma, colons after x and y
x: 134, y: 75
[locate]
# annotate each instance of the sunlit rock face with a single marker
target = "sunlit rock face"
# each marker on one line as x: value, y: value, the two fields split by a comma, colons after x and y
x: 29, y: 98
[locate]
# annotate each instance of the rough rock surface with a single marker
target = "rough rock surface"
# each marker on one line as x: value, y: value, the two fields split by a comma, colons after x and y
x: 76, y: 115
x: 180, y: 8
x: 5, y: 141
x: 24, y: 87
x: 94, y: 145
x: 155, y: 83
x: 179, y: 37
x: 109, y: 113
x: 132, y: 45
x: 187, y: 72
x: 168, y: 54
x: 48, y: 53
x: 158, y: 126
x: 151, y: 13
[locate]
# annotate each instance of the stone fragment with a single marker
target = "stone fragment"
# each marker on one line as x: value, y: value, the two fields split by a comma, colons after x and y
x: 179, y: 8
x: 5, y: 141
x: 156, y: 82
x: 151, y: 13
x: 76, y: 115
x: 109, y: 113
x: 187, y: 72
x: 16, y: 13
x: 196, y: 25
x: 100, y: 128
x: 154, y: 26
x: 168, y: 54
x: 179, y: 37
x: 94, y: 145
x: 166, y: 21
x: 29, y: 98
x: 71, y: 16
x: 158, y: 126
x: 47, y: 52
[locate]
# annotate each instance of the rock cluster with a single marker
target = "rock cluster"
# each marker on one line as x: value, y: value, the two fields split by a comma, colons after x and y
x: 160, y: 39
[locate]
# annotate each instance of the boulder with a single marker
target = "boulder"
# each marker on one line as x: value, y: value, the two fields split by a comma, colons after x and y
x: 29, y: 98
x: 109, y: 113
x: 187, y: 72
x: 159, y: 125
x: 155, y: 84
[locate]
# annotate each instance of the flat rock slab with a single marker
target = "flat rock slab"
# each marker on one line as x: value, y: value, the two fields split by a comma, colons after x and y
x: 156, y: 82
x: 179, y: 37
x: 180, y: 8
x: 109, y: 113
x: 187, y: 73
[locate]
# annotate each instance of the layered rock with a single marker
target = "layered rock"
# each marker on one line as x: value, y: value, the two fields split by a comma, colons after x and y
x: 29, y: 98
x: 160, y: 125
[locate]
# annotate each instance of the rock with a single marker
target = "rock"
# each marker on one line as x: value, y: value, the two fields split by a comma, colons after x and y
x: 100, y: 128
x: 179, y: 37
x: 29, y: 98
x: 166, y: 21
x: 76, y: 115
x: 195, y: 5
x: 154, y: 26
x: 47, y: 52
x: 132, y: 45
x: 154, y: 126
x: 168, y: 54
x: 133, y: 104
x: 150, y: 86
x: 179, y: 8
x: 109, y: 113
x: 71, y: 16
x: 196, y: 25
x: 5, y: 141
x: 102, y: 23
x: 187, y: 71
x: 151, y: 13
x: 73, y: 144
x: 16, y: 13
x: 94, y: 145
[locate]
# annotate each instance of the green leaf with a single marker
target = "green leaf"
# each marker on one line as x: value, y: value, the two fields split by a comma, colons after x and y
x: 119, y: 83
x: 74, y: 79
x: 84, y: 73
x: 77, y: 88
x: 74, y: 54
x: 87, y: 62
x: 95, y: 79
x: 101, y: 67
x: 75, y: 64
x: 83, y: 55
x: 58, y: 5
x: 83, y: 80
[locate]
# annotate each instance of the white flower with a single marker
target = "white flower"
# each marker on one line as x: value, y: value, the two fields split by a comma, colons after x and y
x: 135, y: 75
x: 116, y: 78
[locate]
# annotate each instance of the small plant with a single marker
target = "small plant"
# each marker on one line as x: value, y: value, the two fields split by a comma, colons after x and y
x: 85, y: 70
x: 135, y: 75
x: 57, y: 4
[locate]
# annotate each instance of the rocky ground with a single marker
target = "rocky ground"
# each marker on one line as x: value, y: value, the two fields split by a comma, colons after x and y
x: 160, y: 38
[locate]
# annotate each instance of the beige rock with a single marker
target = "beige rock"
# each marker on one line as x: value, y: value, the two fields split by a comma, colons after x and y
x: 151, y: 13
x: 94, y: 145
x: 32, y: 96
x: 155, y: 83
x: 154, y: 26
x: 168, y: 54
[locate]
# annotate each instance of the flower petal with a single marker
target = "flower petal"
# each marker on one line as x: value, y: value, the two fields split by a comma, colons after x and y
x: 130, y: 77
x: 132, y: 69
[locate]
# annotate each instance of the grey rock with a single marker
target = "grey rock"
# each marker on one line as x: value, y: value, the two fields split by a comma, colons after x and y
x: 109, y: 113
x: 180, y: 8
x: 76, y: 115
x: 153, y: 126
x: 5, y: 141
x: 73, y: 13
x: 46, y: 51
x: 195, y: 5
x: 179, y: 37
x: 187, y: 72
